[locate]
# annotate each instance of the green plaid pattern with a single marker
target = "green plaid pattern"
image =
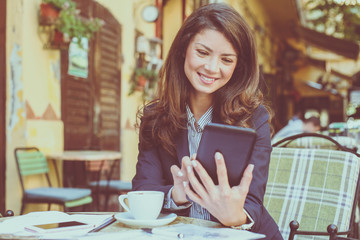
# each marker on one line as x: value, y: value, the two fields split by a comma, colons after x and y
x: 316, y: 187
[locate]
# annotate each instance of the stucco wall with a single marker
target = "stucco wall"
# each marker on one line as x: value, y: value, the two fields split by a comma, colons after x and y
x: 33, y: 94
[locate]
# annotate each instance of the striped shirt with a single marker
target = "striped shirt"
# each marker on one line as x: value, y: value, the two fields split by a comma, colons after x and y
x: 195, y: 130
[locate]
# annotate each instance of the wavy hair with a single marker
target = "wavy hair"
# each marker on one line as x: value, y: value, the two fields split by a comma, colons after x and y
x: 165, y: 117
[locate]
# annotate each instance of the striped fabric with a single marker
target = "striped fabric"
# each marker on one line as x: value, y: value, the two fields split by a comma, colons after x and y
x: 195, y: 130
x: 316, y: 187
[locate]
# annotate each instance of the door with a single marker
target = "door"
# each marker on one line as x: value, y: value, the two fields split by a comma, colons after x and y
x: 2, y: 103
x: 91, y: 105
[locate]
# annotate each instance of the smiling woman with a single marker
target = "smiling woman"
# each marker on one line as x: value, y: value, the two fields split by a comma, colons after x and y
x: 210, y: 75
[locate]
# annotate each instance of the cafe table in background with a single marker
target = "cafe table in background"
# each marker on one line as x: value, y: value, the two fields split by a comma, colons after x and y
x: 77, y: 163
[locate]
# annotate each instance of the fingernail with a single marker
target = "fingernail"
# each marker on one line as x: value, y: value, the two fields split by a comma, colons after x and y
x: 194, y: 163
x: 251, y: 167
x: 189, y: 169
x: 180, y: 174
x: 185, y: 184
x: 218, y: 156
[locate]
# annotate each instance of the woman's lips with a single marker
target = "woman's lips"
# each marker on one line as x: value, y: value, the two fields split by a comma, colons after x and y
x: 206, y: 80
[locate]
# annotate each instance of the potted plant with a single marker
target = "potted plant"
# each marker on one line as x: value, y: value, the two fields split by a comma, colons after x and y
x: 66, y: 21
x: 144, y: 80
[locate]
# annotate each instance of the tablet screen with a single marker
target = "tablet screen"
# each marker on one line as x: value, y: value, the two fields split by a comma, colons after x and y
x: 235, y: 143
x: 57, y: 227
x: 60, y: 225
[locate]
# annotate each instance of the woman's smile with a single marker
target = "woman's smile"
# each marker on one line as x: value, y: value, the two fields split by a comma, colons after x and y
x: 206, y: 79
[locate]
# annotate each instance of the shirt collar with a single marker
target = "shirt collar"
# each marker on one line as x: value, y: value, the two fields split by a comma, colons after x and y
x: 203, y: 121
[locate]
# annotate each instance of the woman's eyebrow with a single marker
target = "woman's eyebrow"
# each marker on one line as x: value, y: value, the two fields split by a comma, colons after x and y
x: 210, y: 50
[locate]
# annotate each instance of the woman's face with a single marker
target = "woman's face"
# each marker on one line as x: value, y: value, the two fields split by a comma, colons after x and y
x: 209, y: 62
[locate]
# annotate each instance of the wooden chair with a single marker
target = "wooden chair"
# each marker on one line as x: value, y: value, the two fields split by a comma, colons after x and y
x: 30, y: 161
x: 314, y: 187
x: 109, y: 186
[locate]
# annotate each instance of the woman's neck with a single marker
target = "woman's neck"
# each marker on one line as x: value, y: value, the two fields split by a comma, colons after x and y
x: 200, y: 104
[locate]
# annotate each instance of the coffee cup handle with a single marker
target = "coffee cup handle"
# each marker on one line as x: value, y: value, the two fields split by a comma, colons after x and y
x: 122, y: 202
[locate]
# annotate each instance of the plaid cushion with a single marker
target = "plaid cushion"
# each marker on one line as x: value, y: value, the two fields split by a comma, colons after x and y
x: 316, y: 187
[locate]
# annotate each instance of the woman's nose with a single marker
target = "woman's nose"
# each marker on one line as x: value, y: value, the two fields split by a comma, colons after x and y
x: 212, y: 65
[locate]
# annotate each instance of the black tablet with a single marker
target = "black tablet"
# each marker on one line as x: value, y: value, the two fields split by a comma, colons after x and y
x: 235, y: 143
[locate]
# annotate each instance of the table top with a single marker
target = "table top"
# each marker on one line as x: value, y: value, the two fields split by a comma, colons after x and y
x: 118, y: 227
x: 85, y: 155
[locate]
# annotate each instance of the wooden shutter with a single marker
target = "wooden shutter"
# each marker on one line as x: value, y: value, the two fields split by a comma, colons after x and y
x: 91, y: 106
x: 107, y: 81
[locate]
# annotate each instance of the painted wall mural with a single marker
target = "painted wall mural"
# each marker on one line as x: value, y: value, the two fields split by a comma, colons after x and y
x: 16, y: 103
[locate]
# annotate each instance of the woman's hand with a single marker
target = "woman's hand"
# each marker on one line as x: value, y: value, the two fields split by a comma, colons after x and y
x: 222, y: 201
x: 180, y: 176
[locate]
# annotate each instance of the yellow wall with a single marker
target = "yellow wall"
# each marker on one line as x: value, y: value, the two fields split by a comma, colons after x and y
x: 171, y: 23
x: 33, y: 83
x: 254, y: 15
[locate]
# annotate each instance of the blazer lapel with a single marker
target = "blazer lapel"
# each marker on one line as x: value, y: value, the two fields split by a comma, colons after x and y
x: 182, y: 145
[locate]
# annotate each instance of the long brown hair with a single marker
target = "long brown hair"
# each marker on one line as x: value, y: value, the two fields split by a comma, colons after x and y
x: 164, y: 118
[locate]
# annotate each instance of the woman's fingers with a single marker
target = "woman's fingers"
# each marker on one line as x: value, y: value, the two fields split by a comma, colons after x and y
x: 222, y: 173
x: 177, y: 173
x: 245, y: 182
x: 191, y: 194
x: 205, y: 179
x: 194, y: 181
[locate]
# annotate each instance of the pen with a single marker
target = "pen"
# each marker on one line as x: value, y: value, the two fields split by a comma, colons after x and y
x: 163, y: 233
x: 106, y: 223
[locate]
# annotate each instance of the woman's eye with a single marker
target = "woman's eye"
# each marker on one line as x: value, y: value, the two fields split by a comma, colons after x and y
x: 202, y: 52
x: 228, y: 60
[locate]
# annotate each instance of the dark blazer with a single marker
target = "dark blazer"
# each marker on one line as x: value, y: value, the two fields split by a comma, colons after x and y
x: 153, y: 172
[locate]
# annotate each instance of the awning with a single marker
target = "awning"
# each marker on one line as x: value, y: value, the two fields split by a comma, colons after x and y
x: 341, y: 47
x: 321, y: 64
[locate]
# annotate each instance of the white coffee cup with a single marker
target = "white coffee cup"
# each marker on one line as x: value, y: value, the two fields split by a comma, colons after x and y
x: 143, y: 205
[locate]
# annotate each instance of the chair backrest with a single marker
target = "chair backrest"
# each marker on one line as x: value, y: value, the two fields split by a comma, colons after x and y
x: 316, y: 140
x: 30, y: 161
x: 316, y: 187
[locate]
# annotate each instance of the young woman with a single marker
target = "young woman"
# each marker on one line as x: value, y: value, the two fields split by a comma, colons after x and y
x: 210, y: 75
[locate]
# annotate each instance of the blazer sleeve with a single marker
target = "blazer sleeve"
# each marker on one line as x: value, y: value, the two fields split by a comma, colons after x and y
x: 150, y: 172
x: 261, y: 159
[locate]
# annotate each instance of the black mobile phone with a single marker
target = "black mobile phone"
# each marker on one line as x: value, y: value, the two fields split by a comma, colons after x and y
x: 57, y: 227
x: 235, y: 143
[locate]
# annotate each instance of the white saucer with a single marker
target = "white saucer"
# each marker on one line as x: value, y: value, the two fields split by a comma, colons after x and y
x: 163, y: 219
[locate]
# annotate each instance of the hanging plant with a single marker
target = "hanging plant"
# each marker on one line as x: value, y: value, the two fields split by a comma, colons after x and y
x: 145, y: 81
x: 65, y: 18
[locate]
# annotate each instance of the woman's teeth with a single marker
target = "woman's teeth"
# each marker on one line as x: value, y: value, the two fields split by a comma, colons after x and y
x: 206, y: 79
